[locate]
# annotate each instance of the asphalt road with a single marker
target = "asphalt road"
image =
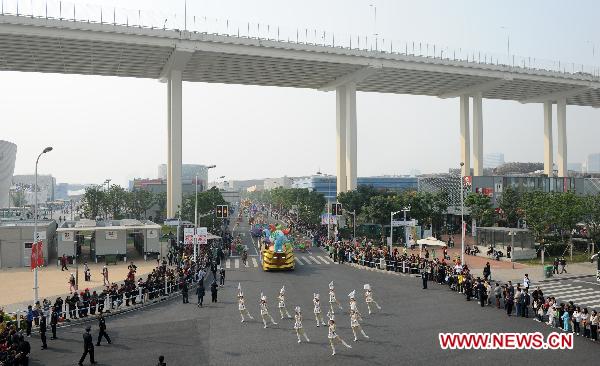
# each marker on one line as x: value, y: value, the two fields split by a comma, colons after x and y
x: 405, y: 331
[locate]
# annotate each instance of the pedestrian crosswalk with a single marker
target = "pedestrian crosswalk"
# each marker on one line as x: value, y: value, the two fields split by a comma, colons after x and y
x: 301, y: 260
x: 582, y: 293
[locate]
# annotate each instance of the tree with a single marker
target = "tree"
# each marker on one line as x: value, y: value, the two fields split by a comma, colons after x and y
x: 92, y: 201
x: 568, y: 211
x: 509, y: 203
x: 481, y: 208
x: 18, y: 198
x: 207, y: 202
x: 115, y: 201
x: 161, y: 201
x: 536, y: 208
x: 591, y: 216
x: 357, y: 199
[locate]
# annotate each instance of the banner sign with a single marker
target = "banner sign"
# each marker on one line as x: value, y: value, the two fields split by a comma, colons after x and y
x: 111, y: 235
x: 201, y: 235
x: 188, y: 235
x: 397, y: 223
x: 332, y: 219
x: 67, y: 236
x: 41, y: 235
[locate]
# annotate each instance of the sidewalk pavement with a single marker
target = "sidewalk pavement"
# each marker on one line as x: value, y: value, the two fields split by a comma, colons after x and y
x: 536, y: 273
x: 16, y: 284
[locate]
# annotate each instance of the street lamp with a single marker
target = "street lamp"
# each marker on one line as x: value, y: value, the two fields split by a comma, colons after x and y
x: 353, y: 225
x: 392, y: 228
x: 462, y: 217
x: 35, y: 233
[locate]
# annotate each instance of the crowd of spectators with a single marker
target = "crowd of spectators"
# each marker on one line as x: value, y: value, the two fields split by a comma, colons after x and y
x: 518, y: 300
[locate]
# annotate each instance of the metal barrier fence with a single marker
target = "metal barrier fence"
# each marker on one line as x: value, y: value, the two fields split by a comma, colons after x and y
x: 111, y: 304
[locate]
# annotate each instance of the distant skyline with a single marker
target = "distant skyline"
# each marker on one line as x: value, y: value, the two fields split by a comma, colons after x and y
x: 106, y: 127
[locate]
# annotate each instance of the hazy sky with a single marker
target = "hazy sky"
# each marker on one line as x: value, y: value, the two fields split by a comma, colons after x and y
x: 105, y: 127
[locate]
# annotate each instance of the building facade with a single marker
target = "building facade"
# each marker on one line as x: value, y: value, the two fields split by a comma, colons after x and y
x: 188, y: 172
x: 493, y: 160
x: 8, y: 156
x: 592, y: 163
x: 26, y: 184
x: 272, y: 183
x: 327, y: 184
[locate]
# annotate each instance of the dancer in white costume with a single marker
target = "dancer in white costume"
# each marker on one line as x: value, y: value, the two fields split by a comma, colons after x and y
x: 317, y: 309
x: 334, y: 337
x: 264, y: 310
x: 369, y: 298
x: 242, y: 304
x: 281, y: 305
x: 353, y: 305
x: 298, y: 324
x: 355, y: 325
x: 332, y: 299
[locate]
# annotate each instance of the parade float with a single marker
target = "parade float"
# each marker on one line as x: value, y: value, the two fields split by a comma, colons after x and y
x: 276, y: 251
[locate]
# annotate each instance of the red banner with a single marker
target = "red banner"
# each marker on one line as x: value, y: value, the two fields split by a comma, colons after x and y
x: 40, y: 253
x: 34, y: 253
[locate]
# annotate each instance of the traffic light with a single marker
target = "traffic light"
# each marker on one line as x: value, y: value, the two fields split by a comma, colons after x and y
x: 336, y: 209
x: 225, y: 211
x: 222, y: 211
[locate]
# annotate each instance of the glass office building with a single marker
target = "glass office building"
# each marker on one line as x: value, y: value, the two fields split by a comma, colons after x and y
x: 327, y: 185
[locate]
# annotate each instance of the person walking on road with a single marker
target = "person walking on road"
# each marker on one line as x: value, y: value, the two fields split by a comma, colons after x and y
x: 369, y: 298
x: 281, y: 305
x: 161, y: 361
x: 355, y: 325
x: 242, y: 304
x: 298, y: 324
x: 213, y: 290
x: 185, y: 292
x: 332, y: 298
x: 222, y: 276
x: 102, y: 332
x: 264, y: 310
x: 200, y: 291
x: 105, y: 275
x: 317, y: 310
x: 88, y: 346
x: 334, y: 337
x: 353, y: 305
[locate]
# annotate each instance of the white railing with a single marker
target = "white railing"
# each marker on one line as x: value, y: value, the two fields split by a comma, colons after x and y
x: 69, y: 11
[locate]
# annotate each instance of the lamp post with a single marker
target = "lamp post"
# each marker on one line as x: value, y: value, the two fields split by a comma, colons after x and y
x: 353, y: 225
x: 35, y: 234
x: 405, y: 209
x: 392, y: 228
x: 462, y: 217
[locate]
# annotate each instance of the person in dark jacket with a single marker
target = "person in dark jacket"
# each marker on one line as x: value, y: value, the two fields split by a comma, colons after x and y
x: 102, y: 332
x: 54, y: 321
x: 43, y: 329
x: 24, y: 349
x: 29, y: 320
x: 161, y: 361
x: 184, y: 292
x: 213, y: 290
x: 200, y: 291
x: 88, y: 346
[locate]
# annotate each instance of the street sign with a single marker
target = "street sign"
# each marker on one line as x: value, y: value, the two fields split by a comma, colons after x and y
x: 188, y: 235
x: 202, y: 235
x: 397, y: 223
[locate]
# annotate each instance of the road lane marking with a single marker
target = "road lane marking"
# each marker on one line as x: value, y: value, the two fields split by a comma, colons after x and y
x: 298, y: 261
x: 237, y: 263
x: 254, y: 262
x: 228, y: 264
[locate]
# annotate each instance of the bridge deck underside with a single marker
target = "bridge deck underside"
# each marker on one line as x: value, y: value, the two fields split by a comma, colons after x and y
x: 20, y: 52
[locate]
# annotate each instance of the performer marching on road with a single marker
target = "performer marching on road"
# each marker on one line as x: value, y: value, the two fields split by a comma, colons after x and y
x: 298, y: 324
x: 369, y: 298
x: 332, y: 299
x: 317, y: 309
x: 353, y: 306
x: 355, y: 325
x: 334, y: 337
x: 281, y: 304
x: 264, y: 311
x: 242, y: 304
